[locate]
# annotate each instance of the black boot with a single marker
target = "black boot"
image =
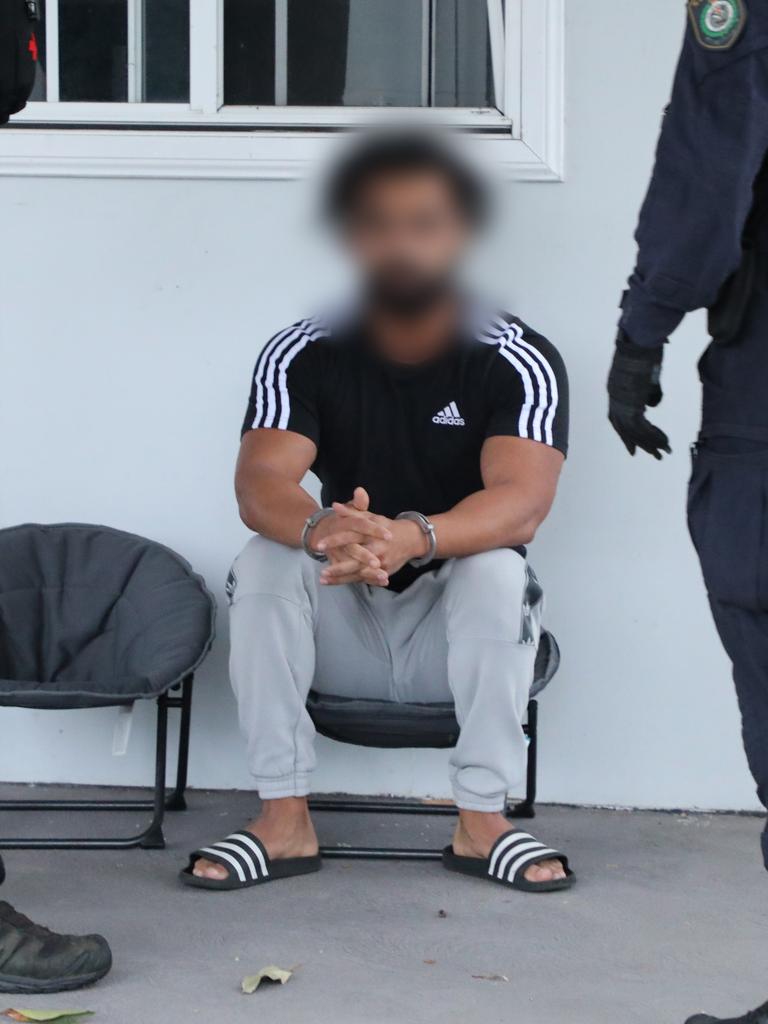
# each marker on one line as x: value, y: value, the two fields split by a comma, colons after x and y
x: 34, y: 959
x: 758, y: 1016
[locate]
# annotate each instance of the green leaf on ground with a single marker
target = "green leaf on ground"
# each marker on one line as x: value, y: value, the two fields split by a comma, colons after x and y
x: 65, y: 1016
x: 270, y: 973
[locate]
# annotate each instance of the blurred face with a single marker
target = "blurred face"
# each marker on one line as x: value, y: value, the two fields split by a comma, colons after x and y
x: 407, y: 234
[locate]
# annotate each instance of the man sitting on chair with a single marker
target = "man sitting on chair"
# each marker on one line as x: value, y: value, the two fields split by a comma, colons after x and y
x: 438, y: 434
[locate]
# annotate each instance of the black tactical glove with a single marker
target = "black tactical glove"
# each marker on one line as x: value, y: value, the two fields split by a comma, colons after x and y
x: 633, y: 385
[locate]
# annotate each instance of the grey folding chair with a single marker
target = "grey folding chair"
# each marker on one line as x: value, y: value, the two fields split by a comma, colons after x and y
x: 94, y: 617
x: 375, y: 723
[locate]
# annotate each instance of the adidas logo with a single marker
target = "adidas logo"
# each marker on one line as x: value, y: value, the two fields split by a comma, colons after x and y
x: 449, y: 416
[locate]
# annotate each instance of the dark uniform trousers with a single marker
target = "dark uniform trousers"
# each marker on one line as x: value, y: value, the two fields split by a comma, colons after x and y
x: 728, y: 514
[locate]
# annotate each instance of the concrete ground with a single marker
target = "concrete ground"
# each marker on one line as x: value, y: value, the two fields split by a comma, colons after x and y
x: 668, y: 917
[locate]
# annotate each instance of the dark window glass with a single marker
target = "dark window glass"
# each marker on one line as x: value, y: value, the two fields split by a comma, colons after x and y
x: 249, y: 52
x: 367, y: 53
x: 359, y: 53
x: 317, y: 52
x: 93, y: 37
x: 166, y: 51
x: 329, y: 52
x: 463, y: 75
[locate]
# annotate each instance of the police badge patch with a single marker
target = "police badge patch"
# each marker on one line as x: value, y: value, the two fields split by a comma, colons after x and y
x: 717, y: 24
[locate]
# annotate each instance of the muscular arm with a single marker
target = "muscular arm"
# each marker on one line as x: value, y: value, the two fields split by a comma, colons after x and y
x: 270, y: 468
x: 520, y: 478
x: 272, y: 502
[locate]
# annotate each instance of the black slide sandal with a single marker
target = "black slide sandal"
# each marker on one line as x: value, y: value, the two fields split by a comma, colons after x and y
x: 247, y: 863
x: 510, y: 857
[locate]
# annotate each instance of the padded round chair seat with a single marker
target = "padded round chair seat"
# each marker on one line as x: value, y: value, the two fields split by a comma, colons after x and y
x: 93, y: 617
x: 383, y: 723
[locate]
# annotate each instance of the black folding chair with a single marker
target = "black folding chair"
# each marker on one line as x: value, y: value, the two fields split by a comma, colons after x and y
x: 94, y: 617
x: 374, y: 723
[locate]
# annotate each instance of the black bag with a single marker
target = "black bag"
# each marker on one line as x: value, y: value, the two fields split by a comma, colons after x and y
x: 18, y: 54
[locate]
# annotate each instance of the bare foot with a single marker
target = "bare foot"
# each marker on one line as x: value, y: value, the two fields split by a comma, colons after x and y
x: 476, y: 833
x: 284, y: 827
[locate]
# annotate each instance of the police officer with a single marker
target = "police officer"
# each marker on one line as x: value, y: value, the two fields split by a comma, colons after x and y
x: 703, y: 243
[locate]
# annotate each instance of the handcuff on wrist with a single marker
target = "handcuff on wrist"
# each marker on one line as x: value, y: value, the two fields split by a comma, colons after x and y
x: 309, y: 525
x: 428, y: 530
x: 421, y: 521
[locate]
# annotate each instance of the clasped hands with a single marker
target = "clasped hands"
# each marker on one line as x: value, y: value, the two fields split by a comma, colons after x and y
x: 363, y: 547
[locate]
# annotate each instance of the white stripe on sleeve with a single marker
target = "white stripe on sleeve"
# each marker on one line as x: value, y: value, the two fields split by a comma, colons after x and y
x: 272, y: 366
x: 525, y: 412
x: 260, y: 372
x: 509, y: 337
x: 554, y: 394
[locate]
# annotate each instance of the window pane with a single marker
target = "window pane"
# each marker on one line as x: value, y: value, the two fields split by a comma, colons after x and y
x: 166, y: 51
x: 249, y: 52
x: 318, y: 34
x: 463, y: 75
x: 94, y: 50
x: 93, y: 41
x: 368, y: 53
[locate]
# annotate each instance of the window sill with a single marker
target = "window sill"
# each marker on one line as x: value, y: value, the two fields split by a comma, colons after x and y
x: 218, y: 153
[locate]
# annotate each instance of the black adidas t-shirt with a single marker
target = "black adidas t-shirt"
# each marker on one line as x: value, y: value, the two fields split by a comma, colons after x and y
x: 411, y: 435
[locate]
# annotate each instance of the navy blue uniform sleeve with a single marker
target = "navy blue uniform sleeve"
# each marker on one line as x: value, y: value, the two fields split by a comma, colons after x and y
x: 286, y: 382
x: 712, y: 145
x: 528, y: 389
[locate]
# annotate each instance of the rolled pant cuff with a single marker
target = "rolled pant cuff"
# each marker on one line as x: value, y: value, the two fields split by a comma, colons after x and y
x: 473, y: 802
x: 283, y: 786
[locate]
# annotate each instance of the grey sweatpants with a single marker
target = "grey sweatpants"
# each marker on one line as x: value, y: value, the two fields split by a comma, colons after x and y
x: 466, y: 632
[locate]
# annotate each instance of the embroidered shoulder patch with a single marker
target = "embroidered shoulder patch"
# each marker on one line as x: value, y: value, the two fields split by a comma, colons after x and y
x: 717, y: 24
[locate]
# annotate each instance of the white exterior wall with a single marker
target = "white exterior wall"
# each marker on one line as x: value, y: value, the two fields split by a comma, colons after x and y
x: 131, y: 313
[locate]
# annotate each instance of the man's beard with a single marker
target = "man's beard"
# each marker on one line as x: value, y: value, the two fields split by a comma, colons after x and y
x: 408, y: 298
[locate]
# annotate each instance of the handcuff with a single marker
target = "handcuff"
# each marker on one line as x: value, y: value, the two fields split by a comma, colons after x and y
x: 309, y: 525
x: 428, y: 530
x: 421, y: 521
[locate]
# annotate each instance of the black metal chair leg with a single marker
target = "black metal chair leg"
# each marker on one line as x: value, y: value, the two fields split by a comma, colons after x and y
x: 152, y: 838
x: 378, y: 853
x: 176, y: 800
x: 527, y: 807
x: 533, y: 754
x: 386, y: 806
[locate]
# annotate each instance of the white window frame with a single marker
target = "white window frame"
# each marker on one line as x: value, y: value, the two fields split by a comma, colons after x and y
x: 204, y: 139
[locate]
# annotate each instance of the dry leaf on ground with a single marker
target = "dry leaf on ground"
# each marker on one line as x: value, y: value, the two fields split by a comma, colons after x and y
x: 64, y: 1016
x: 270, y: 973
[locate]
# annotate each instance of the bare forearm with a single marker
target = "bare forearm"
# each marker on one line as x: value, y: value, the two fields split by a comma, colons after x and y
x: 498, y: 517
x: 274, y: 506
